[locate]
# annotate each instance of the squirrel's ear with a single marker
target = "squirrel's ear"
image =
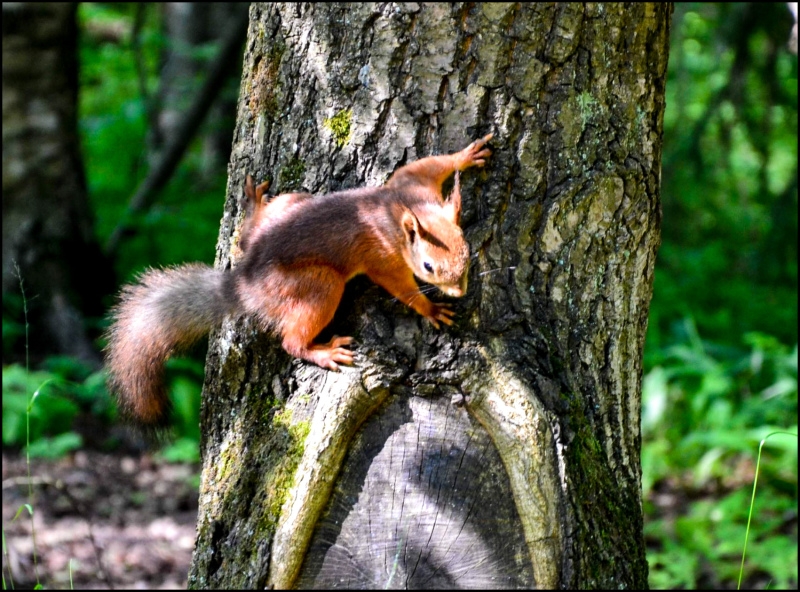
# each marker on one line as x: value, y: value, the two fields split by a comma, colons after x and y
x: 254, y: 194
x: 410, y: 225
x: 453, y: 205
x: 261, y: 190
x: 249, y: 192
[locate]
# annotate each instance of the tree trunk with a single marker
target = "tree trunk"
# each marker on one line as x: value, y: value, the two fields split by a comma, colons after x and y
x: 502, y: 451
x: 47, y: 226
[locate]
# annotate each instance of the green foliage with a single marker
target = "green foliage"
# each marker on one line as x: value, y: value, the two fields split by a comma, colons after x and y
x: 60, y: 394
x: 184, y: 378
x: 182, y: 450
x: 56, y: 446
x: 729, y: 252
x: 702, y: 548
x: 709, y: 538
x: 705, y: 409
x: 728, y: 262
x: 710, y: 403
x: 183, y: 223
x: 66, y: 390
x: 13, y: 329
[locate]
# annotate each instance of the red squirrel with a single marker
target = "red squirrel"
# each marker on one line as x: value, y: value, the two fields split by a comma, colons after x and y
x: 298, y: 251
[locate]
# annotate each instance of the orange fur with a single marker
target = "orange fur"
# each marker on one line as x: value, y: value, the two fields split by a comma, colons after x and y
x: 298, y: 252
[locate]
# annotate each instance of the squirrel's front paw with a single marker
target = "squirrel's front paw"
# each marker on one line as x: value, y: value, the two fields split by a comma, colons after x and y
x: 440, y: 313
x: 475, y: 153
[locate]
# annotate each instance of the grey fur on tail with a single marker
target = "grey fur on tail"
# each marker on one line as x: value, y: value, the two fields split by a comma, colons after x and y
x: 166, y: 310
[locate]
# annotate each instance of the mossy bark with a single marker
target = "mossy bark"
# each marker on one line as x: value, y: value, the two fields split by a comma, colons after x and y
x: 502, y: 451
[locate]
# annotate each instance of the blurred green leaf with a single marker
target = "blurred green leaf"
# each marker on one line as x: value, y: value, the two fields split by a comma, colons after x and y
x: 56, y: 446
x: 183, y: 450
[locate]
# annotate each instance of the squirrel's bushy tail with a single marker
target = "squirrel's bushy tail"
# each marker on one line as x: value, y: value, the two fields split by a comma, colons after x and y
x: 167, y: 309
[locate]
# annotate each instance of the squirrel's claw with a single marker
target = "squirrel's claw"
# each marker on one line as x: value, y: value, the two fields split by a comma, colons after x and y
x: 440, y: 313
x: 475, y: 154
x: 330, y: 355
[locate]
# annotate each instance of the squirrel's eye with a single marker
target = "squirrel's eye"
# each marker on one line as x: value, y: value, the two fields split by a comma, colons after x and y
x: 428, y: 267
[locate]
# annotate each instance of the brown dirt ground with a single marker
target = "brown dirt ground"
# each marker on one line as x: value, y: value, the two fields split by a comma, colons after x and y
x: 123, y: 522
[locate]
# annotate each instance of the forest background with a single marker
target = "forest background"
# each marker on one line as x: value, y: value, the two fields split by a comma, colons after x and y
x: 721, y: 352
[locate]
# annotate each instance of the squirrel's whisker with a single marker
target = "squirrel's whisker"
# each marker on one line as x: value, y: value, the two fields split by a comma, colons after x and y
x: 497, y: 269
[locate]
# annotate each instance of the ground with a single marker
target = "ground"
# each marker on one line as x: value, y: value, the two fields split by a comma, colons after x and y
x: 124, y: 522
x: 128, y: 522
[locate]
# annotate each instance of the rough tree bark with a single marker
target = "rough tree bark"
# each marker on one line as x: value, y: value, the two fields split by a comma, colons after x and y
x: 502, y: 451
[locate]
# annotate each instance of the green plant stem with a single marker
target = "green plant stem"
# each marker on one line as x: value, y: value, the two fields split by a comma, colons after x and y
x: 28, y: 426
x: 753, y: 501
x: 8, y: 564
